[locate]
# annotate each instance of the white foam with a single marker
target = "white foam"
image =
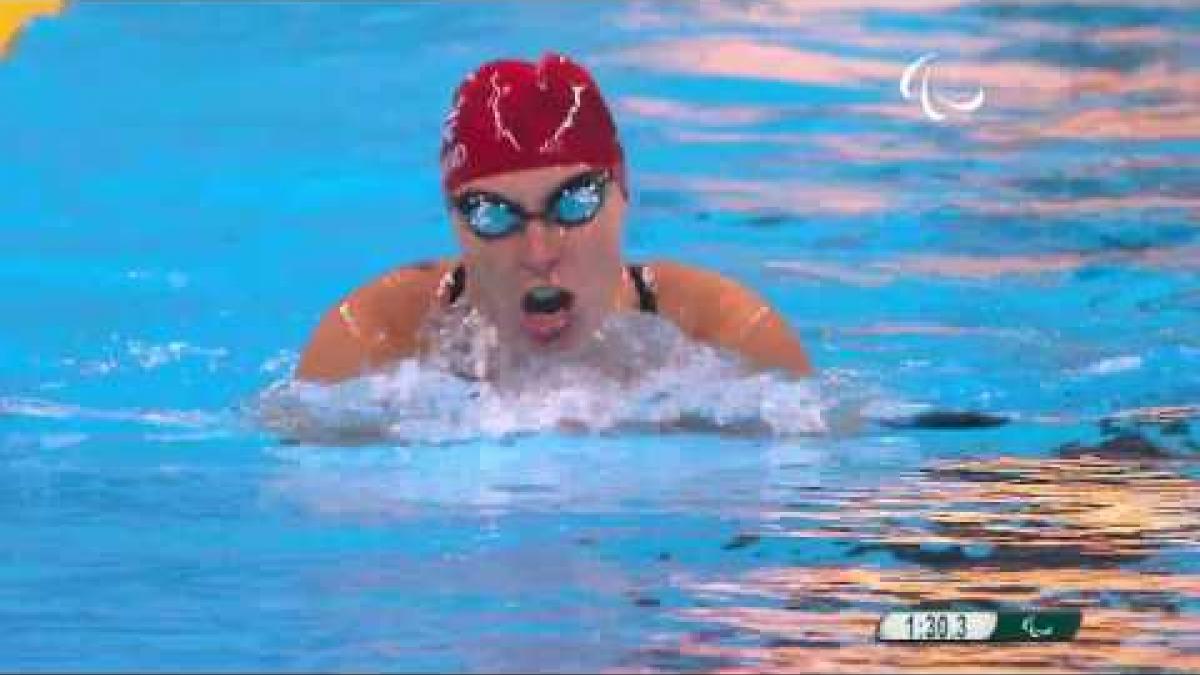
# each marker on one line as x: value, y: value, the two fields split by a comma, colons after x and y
x: 19, y: 406
x: 639, y: 372
x: 1115, y: 364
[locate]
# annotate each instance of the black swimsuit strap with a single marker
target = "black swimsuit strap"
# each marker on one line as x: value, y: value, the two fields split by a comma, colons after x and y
x: 643, y: 280
x: 453, y: 285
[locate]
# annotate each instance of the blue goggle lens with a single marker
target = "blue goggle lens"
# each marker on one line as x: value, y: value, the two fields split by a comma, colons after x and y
x: 490, y: 218
x: 578, y: 204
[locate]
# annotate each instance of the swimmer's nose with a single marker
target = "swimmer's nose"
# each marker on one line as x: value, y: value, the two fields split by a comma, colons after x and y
x: 542, y: 248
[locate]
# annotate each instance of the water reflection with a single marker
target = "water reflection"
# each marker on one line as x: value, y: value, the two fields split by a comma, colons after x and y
x: 1079, y: 166
x: 767, y: 196
x: 985, y: 267
x: 1081, y: 530
x: 802, y: 641
x: 1054, y: 76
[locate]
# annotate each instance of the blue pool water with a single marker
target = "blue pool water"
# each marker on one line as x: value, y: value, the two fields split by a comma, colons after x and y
x: 188, y: 186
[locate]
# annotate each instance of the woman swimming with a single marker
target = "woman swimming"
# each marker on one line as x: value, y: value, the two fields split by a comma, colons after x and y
x: 536, y: 185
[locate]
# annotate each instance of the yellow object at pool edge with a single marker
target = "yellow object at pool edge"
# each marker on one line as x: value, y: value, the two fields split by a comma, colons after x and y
x: 16, y: 13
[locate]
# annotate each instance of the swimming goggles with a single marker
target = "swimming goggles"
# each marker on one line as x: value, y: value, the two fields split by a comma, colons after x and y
x: 574, y: 204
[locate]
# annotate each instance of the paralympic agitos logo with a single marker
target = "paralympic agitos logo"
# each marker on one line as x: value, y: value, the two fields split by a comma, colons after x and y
x: 933, y: 104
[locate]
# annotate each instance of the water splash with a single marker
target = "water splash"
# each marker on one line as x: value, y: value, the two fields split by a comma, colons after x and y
x: 638, y: 372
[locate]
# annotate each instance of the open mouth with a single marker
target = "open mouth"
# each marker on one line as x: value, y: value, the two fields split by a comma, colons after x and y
x: 546, y: 312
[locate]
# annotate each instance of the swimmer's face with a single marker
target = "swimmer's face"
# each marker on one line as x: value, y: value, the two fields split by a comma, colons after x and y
x: 517, y: 280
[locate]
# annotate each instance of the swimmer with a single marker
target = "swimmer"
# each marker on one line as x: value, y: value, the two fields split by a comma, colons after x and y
x: 535, y: 182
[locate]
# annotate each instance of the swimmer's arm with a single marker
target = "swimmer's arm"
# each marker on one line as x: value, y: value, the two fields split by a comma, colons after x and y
x: 375, y: 325
x: 724, y: 313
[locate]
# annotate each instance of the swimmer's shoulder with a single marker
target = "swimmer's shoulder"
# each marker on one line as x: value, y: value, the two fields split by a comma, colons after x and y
x: 714, y: 308
x: 413, y: 286
x: 690, y: 295
x: 375, y: 324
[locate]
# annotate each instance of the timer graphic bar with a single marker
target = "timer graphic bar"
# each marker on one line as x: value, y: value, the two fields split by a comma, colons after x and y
x: 979, y: 626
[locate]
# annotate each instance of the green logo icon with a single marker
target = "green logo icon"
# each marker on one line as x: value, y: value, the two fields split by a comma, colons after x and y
x: 1038, y: 626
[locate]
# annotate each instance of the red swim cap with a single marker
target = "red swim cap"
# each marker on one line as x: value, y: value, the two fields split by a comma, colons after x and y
x: 511, y: 115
